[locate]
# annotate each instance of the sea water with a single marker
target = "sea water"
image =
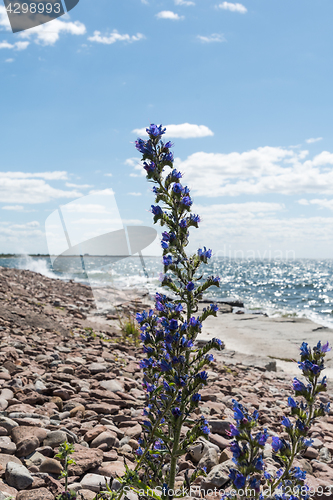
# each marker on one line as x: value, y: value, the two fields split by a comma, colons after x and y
x: 300, y: 288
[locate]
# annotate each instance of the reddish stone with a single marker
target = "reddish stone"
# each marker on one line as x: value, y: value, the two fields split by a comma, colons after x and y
x: 38, y: 494
x: 85, y: 458
x: 220, y: 441
x: 24, y: 432
x: 93, y: 433
x: 104, y: 408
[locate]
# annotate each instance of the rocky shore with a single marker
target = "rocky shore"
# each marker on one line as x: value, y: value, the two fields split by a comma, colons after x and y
x: 68, y: 372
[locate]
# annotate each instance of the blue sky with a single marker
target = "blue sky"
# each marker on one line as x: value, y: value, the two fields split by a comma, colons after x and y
x: 246, y: 86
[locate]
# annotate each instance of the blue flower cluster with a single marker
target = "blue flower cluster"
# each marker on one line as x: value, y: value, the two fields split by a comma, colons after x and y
x: 247, y: 447
x: 174, y: 366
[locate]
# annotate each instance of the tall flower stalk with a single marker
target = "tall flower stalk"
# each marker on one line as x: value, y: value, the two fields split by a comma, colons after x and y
x: 174, y: 369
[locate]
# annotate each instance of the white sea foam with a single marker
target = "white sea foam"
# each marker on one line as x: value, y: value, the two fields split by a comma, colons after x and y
x: 37, y: 265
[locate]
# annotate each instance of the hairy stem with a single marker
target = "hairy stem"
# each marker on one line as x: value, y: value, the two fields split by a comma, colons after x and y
x: 174, y: 458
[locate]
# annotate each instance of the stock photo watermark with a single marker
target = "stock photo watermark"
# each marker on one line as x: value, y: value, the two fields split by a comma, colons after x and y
x: 88, y: 234
x: 246, y: 493
x: 227, y: 252
x: 26, y: 14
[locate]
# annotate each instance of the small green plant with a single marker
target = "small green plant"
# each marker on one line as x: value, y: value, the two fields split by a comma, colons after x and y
x: 128, y: 328
x: 90, y: 332
x: 65, y: 451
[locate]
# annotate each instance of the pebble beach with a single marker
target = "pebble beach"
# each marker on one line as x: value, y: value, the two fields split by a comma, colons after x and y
x: 68, y: 372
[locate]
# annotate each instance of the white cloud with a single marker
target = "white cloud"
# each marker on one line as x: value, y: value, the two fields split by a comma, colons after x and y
x: 250, y: 230
x: 108, y: 175
x: 9, y: 60
x: 135, y: 163
x: 45, y: 34
x: 14, y: 46
x: 251, y: 207
x: 15, y: 208
x: 186, y: 3
x: 168, y: 14
x: 54, y: 176
x: 324, y: 158
x: 21, y: 238
x: 215, y: 37
x: 134, y: 194
x: 233, y: 7
x: 181, y: 131
x: 312, y: 140
x: 31, y: 224
x: 115, y: 37
x: 29, y: 191
x: 78, y: 186
x: 263, y: 170
x: 4, y: 21
x: 49, y: 33
x: 322, y: 203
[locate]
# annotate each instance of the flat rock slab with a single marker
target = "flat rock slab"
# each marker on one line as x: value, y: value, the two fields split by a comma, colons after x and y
x: 85, y: 458
x: 273, y: 338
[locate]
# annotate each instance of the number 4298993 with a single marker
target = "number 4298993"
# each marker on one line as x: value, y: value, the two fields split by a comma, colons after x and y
x: 34, y: 8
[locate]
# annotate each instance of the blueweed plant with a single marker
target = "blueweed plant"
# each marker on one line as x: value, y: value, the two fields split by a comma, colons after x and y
x: 250, y: 478
x: 174, y: 369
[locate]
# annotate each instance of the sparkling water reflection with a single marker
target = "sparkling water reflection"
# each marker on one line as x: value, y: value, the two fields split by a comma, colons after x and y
x: 301, y: 288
